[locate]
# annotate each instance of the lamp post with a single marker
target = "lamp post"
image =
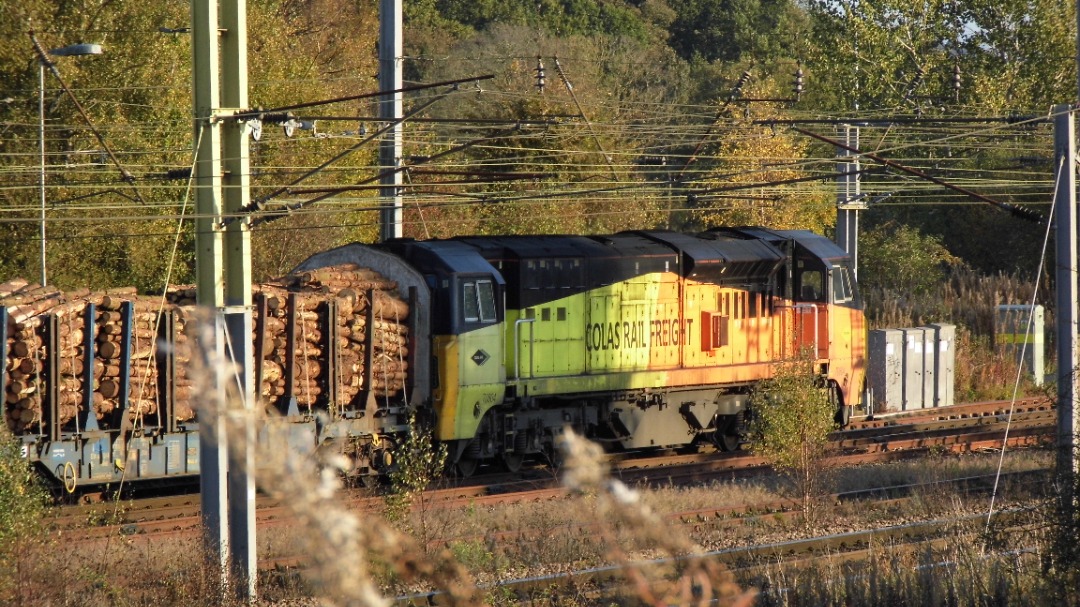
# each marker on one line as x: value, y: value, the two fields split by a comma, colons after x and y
x: 72, y: 50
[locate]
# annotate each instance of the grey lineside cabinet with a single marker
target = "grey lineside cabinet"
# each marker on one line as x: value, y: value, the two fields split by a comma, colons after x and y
x: 911, y: 368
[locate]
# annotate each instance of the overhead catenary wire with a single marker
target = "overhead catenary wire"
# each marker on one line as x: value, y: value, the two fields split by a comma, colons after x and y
x: 260, y: 203
x: 44, y: 59
x: 570, y: 166
x: 1013, y: 209
x: 1023, y: 349
x: 270, y: 216
x: 567, y: 161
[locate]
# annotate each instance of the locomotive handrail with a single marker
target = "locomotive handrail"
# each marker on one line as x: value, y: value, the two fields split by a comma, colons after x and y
x: 517, y: 336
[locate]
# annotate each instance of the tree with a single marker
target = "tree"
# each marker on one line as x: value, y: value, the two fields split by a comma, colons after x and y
x: 104, y: 231
x: 1012, y: 54
x: 749, y: 174
x: 901, y: 260
x: 892, y: 54
x: 1018, y: 54
x: 556, y: 17
x: 792, y: 415
x: 418, y: 462
x: 734, y: 30
x: 579, y: 162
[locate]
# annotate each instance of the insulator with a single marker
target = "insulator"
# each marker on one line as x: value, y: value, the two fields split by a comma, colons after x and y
x: 541, y: 78
x: 956, y: 81
x: 798, y: 84
x: 737, y: 89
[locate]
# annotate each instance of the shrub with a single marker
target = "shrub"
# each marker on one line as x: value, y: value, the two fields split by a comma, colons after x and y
x: 417, y: 463
x: 790, y: 425
x: 23, y: 503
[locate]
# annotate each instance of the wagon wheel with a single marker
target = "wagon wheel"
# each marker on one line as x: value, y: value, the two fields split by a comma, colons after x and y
x: 726, y: 434
x: 513, y: 461
x: 368, y: 481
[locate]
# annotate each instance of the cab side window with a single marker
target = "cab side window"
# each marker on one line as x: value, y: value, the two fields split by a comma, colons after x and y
x: 811, y: 285
x: 485, y: 291
x: 478, y: 302
x: 842, y: 291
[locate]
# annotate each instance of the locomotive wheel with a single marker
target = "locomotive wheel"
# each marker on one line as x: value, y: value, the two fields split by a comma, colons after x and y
x: 513, y: 461
x: 727, y: 433
x: 466, y: 466
x: 843, y: 412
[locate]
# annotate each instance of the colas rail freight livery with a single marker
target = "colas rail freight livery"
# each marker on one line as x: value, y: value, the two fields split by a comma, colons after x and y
x: 638, y: 340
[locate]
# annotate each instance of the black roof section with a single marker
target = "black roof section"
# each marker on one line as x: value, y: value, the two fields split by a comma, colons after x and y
x: 609, y: 258
x: 816, y: 244
x: 720, y: 258
x: 539, y: 268
x: 448, y: 256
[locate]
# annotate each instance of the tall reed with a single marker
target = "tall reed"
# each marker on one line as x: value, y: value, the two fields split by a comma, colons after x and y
x: 969, y: 301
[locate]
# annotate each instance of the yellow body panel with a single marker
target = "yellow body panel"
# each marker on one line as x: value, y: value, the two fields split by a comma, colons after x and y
x: 652, y: 332
x: 472, y: 380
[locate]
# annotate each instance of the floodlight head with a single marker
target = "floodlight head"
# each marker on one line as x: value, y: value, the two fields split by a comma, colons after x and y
x: 73, y: 50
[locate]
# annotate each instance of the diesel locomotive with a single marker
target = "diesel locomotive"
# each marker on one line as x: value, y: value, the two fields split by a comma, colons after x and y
x: 638, y: 340
x: 641, y: 339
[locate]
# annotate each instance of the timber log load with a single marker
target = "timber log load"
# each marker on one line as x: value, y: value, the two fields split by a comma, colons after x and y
x: 95, y: 359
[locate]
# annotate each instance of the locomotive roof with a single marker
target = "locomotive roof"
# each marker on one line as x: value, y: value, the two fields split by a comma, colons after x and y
x: 722, y: 258
x: 816, y: 244
x: 453, y: 256
x: 559, y: 246
x: 723, y: 254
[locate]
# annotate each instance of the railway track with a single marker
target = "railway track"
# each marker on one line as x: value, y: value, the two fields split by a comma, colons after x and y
x: 609, y: 584
x: 975, y: 427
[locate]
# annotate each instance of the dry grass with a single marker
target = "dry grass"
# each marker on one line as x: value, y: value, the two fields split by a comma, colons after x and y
x: 629, y: 528
x: 959, y: 575
x: 563, y: 546
x: 968, y: 300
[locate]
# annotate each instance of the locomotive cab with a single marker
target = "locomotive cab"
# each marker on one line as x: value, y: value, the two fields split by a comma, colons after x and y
x: 467, y: 348
x: 830, y: 319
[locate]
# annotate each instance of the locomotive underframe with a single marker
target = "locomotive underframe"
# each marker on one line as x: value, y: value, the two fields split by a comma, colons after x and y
x: 626, y: 420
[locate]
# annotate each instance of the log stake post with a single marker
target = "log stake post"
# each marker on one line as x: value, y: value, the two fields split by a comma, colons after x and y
x: 50, y: 408
x: 368, y: 392
x: 333, y: 360
x: 262, y: 309
x: 3, y: 353
x: 90, y: 423
x: 413, y: 324
x: 127, y: 313
x: 166, y: 361
x: 291, y: 407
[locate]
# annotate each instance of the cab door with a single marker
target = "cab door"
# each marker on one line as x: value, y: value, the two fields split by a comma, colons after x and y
x: 847, y: 330
x: 810, y: 309
x: 477, y: 349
